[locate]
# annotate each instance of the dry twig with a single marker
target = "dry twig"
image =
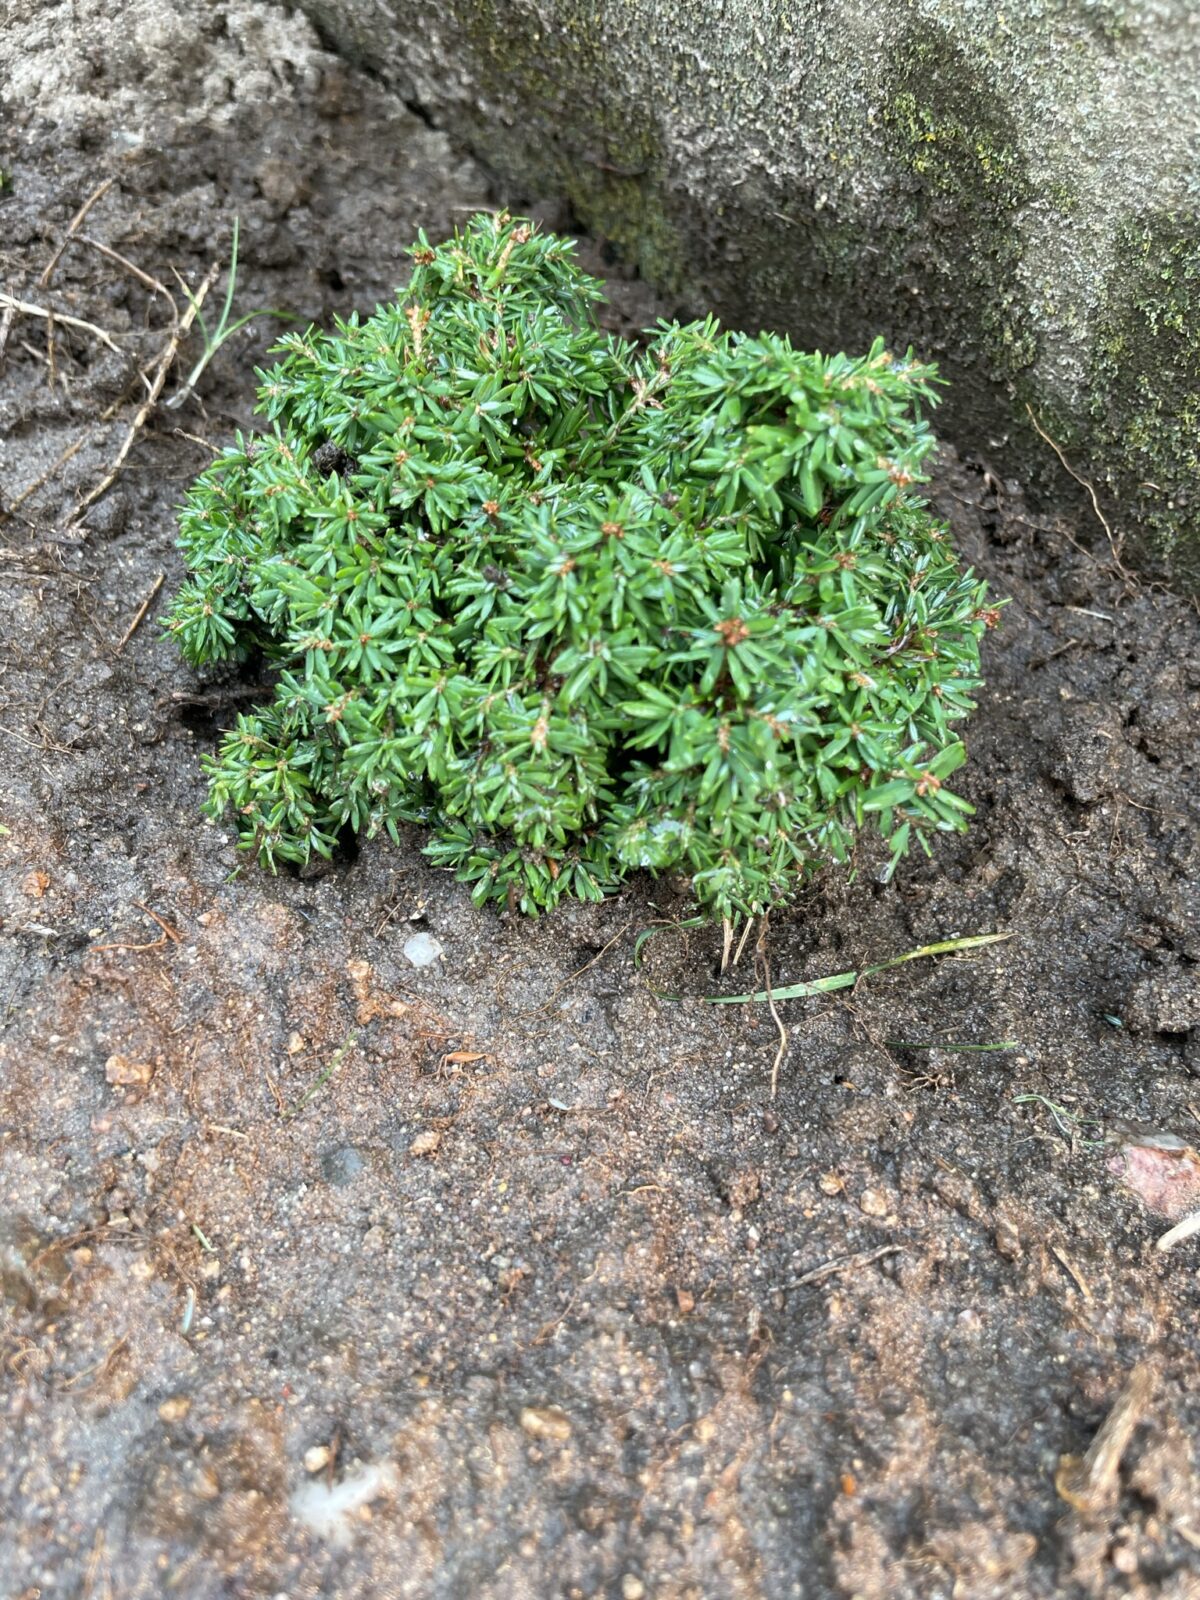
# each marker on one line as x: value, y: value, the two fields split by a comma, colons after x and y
x: 163, y: 366
x: 1114, y: 544
x: 760, y: 952
x: 141, y: 612
x: 28, y: 309
x: 151, y: 282
x: 11, y: 307
x: 73, y: 226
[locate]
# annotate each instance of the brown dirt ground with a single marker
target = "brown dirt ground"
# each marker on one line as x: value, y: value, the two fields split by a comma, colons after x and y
x: 526, y: 1248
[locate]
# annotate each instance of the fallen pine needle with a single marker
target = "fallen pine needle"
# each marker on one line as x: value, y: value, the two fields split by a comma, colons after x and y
x: 72, y: 449
x: 864, y: 1258
x: 37, y: 483
x: 1069, y: 1123
x: 938, y: 1044
x: 103, y: 1366
x: 1181, y: 1231
x: 1089, y: 1484
x: 147, y: 278
x: 168, y: 933
x: 172, y: 933
x: 579, y: 971
x: 1071, y: 1270
x: 339, y: 1055
x: 664, y: 925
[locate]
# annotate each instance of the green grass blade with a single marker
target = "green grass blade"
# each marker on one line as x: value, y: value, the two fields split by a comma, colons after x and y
x: 944, y: 947
x: 231, y: 286
x: 843, y: 980
x: 251, y: 316
x: 793, y: 991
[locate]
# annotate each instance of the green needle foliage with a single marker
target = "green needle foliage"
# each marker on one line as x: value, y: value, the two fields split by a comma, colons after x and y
x: 577, y: 607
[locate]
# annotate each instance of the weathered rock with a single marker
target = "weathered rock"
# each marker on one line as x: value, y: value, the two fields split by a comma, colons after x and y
x: 342, y: 1165
x: 1012, y: 191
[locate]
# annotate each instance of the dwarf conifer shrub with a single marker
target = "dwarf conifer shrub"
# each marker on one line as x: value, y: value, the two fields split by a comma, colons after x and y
x: 577, y: 607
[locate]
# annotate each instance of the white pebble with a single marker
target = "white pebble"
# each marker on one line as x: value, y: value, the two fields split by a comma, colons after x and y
x: 422, y: 949
x: 330, y: 1512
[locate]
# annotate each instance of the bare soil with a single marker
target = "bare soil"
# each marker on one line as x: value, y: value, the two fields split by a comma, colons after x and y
x: 506, y: 1277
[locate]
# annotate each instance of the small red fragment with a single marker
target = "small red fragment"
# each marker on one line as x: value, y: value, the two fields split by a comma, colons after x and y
x: 1161, y: 1169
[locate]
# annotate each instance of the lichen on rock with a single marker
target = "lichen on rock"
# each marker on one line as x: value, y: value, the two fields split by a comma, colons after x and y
x: 1008, y: 192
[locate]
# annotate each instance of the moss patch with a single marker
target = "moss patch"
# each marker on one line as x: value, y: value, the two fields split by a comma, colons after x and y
x: 894, y: 203
x: 1145, y: 386
x: 968, y: 180
x: 584, y: 138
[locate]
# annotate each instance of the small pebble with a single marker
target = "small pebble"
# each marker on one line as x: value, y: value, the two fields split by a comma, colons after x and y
x: 317, y: 1458
x: 872, y: 1203
x: 1008, y: 1240
x: 422, y: 949
x: 119, y: 1070
x: 632, y: 1588
x: 545, y: 1422
x: 426, y: 1143
x: 206, y: 1485
x: 174, y: 1409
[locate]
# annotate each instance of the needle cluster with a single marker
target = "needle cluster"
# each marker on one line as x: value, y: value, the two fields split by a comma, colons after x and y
x: 576, y: 607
